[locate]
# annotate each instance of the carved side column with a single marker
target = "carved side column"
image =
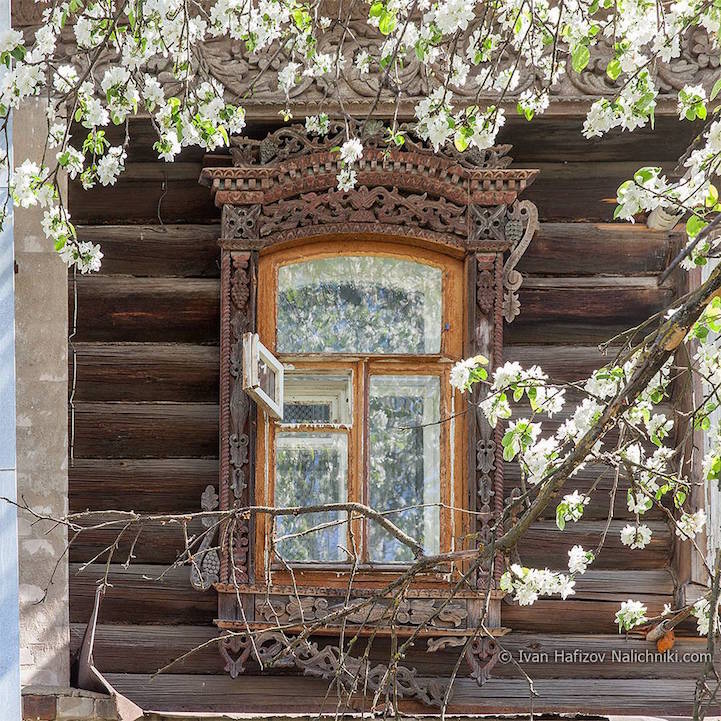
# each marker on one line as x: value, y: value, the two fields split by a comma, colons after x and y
x: 486, y: 338
x: 237, y: 419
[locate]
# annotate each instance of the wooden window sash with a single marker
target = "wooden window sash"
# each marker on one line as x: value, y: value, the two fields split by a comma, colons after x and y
x: 362, y: 366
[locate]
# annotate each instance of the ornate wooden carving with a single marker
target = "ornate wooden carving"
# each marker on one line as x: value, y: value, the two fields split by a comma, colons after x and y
x: 486, y: 338
x: 283, y: 188
x: 205, y: 566
x: 481, y: 654
x: 275, y: 649
x: 410, y: 612
x: 252, y: 79
x: 237, y: 426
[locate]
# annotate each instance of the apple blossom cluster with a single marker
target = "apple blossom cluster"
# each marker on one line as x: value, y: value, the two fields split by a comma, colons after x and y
x: 650, y: 466
x: 123, y: 49
x: 527, y: 584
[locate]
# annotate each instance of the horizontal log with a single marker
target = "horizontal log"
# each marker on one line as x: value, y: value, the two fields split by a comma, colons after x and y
x: 181, y: 310
x: 600, y: 303
x: 572, y: 615
x: 597, y: 248
x: 591, y: 476
x: 556, y: 249
x: 146, y: 649
x: 151, y: 196
x: 562, y: 363
x: 187, y: 310
x: 137, y: 595
x: 298, y: 694
x: 547, y: 139
x: 145, y: 372
x: 146, y: 430
x: 545, y: 545
x: 157, y: 250
x: 579, y: 190
x: 154, y: 594
x: 165, y: 485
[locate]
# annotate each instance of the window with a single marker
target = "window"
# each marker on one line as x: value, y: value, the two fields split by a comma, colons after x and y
x: 367, y: 339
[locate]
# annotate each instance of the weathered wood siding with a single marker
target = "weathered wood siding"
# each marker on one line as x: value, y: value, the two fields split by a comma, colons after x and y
x: 146, y: 429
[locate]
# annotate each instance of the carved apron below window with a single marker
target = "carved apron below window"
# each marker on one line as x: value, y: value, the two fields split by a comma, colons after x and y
x: 458, y: 211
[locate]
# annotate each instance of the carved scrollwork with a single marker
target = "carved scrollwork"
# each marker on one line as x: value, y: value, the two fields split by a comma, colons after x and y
x: 481, y: 653
x: 434, y: 613
x: 522, y: 223
x: 205, y: 565
x: 293, y: 141
x: 275, y: 649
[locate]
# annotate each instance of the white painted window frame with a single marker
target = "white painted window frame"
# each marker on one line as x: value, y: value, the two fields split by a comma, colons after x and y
x: 255, y: 353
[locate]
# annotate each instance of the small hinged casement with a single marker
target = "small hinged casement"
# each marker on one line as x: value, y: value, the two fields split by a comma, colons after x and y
x: 262, y: 376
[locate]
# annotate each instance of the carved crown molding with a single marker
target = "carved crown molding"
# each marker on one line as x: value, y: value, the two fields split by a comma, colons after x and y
x: 252, y: 78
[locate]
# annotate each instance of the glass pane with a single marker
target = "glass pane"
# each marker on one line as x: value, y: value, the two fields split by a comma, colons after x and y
x: 317, y: 398
x: 404, y: 462
x: 311, y: 468
x: 359, y: 304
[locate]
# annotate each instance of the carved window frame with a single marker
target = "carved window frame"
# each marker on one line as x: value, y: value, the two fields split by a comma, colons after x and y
x: 282, y: 193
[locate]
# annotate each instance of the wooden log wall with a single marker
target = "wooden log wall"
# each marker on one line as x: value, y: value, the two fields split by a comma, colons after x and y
x: 146, y: 428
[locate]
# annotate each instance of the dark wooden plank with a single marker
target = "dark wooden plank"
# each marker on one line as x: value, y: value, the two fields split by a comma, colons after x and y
x: 146, y: 649
x: 599, y: 302
x: 580, y: 191
x: 160, y: 250
x: 548, y: 138
x: 557, y: 248
x: 153, y: 192
x: 145, y: 372
x: 298, y: 694
x: 146, y: 430
x: 186, y: 310
x: 604, y: 248
x: 574, y: 616
x: 563, y: 364
x: 594, y: 475
x: 159, y: 310
x: 136, y: 596
x: 545, y: 545
x: 165, y: 485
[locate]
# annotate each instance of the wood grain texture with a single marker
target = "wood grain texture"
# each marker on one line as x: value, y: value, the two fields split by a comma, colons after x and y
x: 157, y: 250
x: 146, y: 430
x: 140, y: 594
x: 150, y: 648
x: 603, y: 248
x: 557, y: 248
x: 119, y: 308
x: 299, y: 694
x: 145, y: 372
x: 153, y: 485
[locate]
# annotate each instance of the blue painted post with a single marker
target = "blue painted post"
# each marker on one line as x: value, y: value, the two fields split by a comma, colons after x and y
x: 9, y: 602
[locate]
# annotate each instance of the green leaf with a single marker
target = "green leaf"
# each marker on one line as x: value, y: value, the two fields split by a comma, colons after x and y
x: 387, y: 23
x: 613, y: 69
x: 580, y: 56
x: 376, y: 10
x: 715, y: 90
x: 694, y: 225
